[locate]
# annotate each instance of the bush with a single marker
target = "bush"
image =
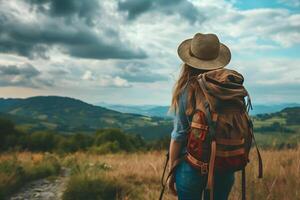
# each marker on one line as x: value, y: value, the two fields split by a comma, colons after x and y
x: 8, y: 134
x: 274, y: 127
x: 94, y: 188
x: 114, y: 135
x: 41, y: 141
x: 66, y: 145
x: 12, y: 176
x: 108, y: 147
x: 48, y: 166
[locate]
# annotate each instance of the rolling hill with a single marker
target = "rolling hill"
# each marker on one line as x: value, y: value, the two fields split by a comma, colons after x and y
x: 280, y: 129
x: 68, y: 115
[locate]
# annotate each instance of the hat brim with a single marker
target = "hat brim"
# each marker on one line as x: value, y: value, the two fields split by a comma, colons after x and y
x: 221, y: 61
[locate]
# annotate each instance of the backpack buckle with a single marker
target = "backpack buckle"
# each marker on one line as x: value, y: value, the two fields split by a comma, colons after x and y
x: 204, y: 168
x: 202, y: 135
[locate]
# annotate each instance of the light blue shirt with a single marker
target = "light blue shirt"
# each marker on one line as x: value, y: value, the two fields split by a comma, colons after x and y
x: 181, y: 121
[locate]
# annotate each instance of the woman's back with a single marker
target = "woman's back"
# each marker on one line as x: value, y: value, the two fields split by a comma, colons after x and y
x: 202, y: 53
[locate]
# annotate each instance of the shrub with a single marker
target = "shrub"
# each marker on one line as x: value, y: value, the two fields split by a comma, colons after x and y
x: 12, y: 176
x: 107, y: 147
x: 41, y: 141
x: 8, y: 134
x: 113, y: 135
x: 47, y: 166
x: 274, y: 127
x: 66, y: 145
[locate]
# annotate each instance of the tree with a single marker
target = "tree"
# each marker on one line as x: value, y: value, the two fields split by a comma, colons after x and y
x: 7, y: 129
x: 41, y: 141
x: 113, y: 135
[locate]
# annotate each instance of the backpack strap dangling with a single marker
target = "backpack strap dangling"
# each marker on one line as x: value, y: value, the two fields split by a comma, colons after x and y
x: 210, y: 178
x: 212, y: 123
x: 163, y: 185
x: 172, y: 170
x: 244, y: 183
x: 260, y: 163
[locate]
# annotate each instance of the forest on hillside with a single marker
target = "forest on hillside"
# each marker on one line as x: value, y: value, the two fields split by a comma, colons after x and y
x: 109, y: 140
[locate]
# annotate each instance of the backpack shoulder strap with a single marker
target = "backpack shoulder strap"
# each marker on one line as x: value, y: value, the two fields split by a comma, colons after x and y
x: 260, y: 163
x: 172, y: 170
x: 210, y: 117
x: 212, y: 123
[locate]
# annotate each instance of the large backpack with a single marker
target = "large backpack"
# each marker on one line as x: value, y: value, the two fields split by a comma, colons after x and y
x: 221, y: 132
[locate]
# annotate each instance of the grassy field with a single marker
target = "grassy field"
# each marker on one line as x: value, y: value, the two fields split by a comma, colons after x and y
x: 137, y: 175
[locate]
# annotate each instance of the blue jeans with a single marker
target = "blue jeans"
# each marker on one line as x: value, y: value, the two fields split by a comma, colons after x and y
x: 190, y: 184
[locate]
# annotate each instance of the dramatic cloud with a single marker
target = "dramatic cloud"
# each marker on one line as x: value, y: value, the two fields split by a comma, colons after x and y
x: 26, y: 70
x: 139, y: 72
x: 58, y: 72
x: 58, y: 8
x: 124, y: 74
x: 265, y: 27
x: 184, y: 8
x: 23, y: 75
x: 271, y: 80
x: 125, y: 51
x: 35, y: 36
x: 109, y: 81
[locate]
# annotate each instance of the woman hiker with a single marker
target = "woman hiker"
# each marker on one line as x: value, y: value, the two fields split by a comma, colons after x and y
x: 202, y: 53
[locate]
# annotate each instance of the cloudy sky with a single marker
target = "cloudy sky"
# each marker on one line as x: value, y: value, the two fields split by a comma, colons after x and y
x: 125, y: 51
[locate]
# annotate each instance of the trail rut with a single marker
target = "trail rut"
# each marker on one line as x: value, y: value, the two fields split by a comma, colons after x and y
x: 44, y: 189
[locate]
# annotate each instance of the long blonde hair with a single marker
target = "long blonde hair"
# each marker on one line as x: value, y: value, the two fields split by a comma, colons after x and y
x: 187, y: 78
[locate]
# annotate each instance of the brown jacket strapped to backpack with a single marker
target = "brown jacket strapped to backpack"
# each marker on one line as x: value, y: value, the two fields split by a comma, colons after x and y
x: 221, y: 132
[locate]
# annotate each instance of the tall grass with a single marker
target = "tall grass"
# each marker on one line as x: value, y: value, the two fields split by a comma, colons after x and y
x: 141, y: 173
x: 94, y: 187
x: 18, y: 168
x: 137, y: 175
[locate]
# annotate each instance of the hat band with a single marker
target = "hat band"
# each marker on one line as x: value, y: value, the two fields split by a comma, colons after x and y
x: 202, y: 58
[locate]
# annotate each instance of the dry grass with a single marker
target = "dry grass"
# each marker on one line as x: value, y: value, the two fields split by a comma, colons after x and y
x: 142, y: 171
x: 18, y: 168
x: 281, y: 177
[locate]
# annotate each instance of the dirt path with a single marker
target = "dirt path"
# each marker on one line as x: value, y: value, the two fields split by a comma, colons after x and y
x: 43, y: 189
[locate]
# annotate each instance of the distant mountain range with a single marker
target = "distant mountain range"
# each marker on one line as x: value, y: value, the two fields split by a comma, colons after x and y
x: 68, y: 115
x: 147, y: 110
x: 162, y: 111
x: 271, y: 108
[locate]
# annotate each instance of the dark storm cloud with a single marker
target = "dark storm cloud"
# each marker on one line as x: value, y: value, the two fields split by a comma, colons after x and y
x: 34, y: 39
x: 185, y: 9
x: 135, y: 7
x: 65, y: 8
x: 139, y: 72
x: 24, y: 75
x: 26, y: 70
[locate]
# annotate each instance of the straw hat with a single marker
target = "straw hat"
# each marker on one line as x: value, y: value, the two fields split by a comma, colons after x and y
x: 204, y: 51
